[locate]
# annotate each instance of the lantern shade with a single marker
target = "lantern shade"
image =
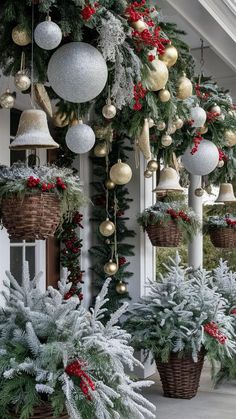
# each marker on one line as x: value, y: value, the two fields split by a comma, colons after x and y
x: 226, y: 193
x: 169, y: 181
x: 33, y: 132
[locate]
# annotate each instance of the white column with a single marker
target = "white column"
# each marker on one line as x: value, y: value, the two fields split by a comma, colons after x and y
x: 195, y: 249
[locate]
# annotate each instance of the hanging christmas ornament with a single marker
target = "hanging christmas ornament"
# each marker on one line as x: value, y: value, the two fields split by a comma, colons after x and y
x: 199, y: 192
x: 101, y: 132
x: 144, y: 140
x: 110, y: 184
x: 152, y: 166
x: 221, y: 164
x: 216, y: 109
x: 110, y: 268
x: 80, y: 138
x: 204, y: 161
x: 158, y: 76
x: 171, y: 129
x: 148, y: 174
x: 184, y: 88
x: 7, y: 100
x: 42, y: 99
x: 226, y: 193
x: 22, y: 81
x: 139, y: 25
x: 230, y: 138
x: 168, y: 181
x: 198, y: 116
x: 20, y: 36
x: 109, y: 110
x: 178, y: 123
x: 60, y: 120
x: 161, y: 125
x: 151, y: 123
x: 164, y: 95
x: 166, y: 140
x: 101, y: 150
x: 77, y: 72
x: 170, y: 56
x: 47, y: 35
x: 121, y: 288
x: 107, y: 228
x: 120, y: 173
x: 203, y: 130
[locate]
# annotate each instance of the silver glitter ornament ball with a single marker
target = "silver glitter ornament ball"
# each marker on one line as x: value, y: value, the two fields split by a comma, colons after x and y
x: 77, y: 72
x: 204, y: 161
x: 7, y: 100
x: 47, y: 35
x: 80, y: 138
x: 22, y: 81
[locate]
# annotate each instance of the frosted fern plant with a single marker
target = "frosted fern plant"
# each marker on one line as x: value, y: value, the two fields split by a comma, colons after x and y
x: 182, y: 314
x: 54, y: 351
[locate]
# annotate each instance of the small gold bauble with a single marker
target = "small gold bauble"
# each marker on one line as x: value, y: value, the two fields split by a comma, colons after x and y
x: 179, y: 123
x: 107, y: 228
x: 161, y: 125
x: 158, y: 77
x: 148, y: 174
x: 109, y: 111
x: 120, y: 173
x: 199, y: 192
x: 7, y: 100
x: 221, y: 164
x: 110, y: 268
x: 22, y: 81
x: 100, y: 150
x: 164, y: 95
x: 166, y: 140
x: 109, y: 184
x: 215, y: 108
x: 121, y: 288
x: 170, y: 56
x: 171, y: 129
x: 203, y: 130
x: 20, y: 36
x: 152, y: 166
x: 230, y: 138
x: 139, y: 25
x: 151, y: 123
x: 100, y: 132
x: 184, y: 88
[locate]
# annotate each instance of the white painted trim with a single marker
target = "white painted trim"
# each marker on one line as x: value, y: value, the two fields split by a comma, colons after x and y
x: 222, y: 14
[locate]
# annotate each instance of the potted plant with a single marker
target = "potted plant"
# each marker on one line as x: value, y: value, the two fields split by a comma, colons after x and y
x: 35, y: 199
x: 166, y: 223
x: 222, y: 230
x: 180, y: 321
x: 56, y: 358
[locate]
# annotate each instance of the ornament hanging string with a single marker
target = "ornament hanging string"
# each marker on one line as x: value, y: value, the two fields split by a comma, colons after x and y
x: 32, y: 59
x: 202, y: 61
x: 115, y: 222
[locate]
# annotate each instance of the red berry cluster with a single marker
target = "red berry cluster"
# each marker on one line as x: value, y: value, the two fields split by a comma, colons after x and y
x: 222, y: 155
x: 138, y: 10
x: 151, y: 57
x: 175, y: 215
x: 233, y: 311
x: 72, y: 293
x: 213, y: 330
x: 230, y: 223
x: 139, y: 93
x: 199, y: 94
x: 212, y: 116
x: 152, y: 39
x: 120, y: 213
x: 33, y: 182
x: 88, y: 12
x: 86, y: 383
x: 122, y: 260
x: 197, y: 139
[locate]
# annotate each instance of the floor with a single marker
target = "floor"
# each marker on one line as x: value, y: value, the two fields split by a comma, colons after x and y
x: 209, y: 403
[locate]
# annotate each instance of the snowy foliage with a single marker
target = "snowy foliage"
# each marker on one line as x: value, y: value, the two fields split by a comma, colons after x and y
x: 42, y: 334
x: 225, y: 281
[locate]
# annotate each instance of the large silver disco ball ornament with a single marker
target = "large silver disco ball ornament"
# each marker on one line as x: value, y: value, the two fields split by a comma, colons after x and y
x: 80, y: 138
x: 77, y: 72
x: 47, y: 35
x: 204, y: 161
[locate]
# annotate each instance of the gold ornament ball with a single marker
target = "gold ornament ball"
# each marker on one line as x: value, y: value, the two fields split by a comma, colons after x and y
x: 170, y: 56
x: 110, y: 268
x: 110, y: 184
x: 22, y: 81
x: 139, y: 25
x: 151, y: 123
x: 20, y: 36
x: 171, y: 129
x: 179, y: 123
x: 221, y: 164
x: 166, y: 140
x: 109, y: 111
x: 107, y: 228
x: 215, y: 108
x: 100, y: 132
x: 199, y: 192
x: 148, y: 174
x: 230, y: 138
x: 7, y: 100
x: 121, y: 288
x: 60, y: 120
x: 164, y: 95
x: 158, y: 77
x: 184, y: 88
x: 120, y: 173
x: 161, y: 125
x: 100, y: 150
x: 203, y: 130
x: 152, y: 166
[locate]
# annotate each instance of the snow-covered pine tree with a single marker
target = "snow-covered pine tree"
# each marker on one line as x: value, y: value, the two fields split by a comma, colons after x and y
x: 52, y: 350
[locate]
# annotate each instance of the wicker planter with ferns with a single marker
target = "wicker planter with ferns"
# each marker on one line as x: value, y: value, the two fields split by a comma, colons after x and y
x: 222, y: 230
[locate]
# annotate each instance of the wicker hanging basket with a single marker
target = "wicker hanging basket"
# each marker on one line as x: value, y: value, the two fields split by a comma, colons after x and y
x: 180, y: 376
x: 45, y: 412
x: 224, y: 237
x: 33, y: 217
x: 164, y: 235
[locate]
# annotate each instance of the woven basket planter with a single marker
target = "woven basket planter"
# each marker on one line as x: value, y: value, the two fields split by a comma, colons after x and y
x: 45, y: 412
x: 33, y: 217
x: 180, y: 376
x: 164, y: 235
x: 223, y: 237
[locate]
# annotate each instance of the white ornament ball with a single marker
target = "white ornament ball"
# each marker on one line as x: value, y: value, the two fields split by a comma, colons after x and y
x: 22, y: 81
x: 171, y: 129
x: 47, y: 35
x: 7, y: 100
x: 77, y: 72
x: 109, y: 111
x: 166, y: 140
x: 80, y: 138
x: 198, y: 115
x: 179, y: 123
x: 161, y: 125
x: 204, y: 161
x: 221, y: 164
x: 151, y: 123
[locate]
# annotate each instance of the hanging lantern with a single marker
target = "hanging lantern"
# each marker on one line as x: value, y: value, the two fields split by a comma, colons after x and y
x: 204, y: 161
x: 80, y: 138
x: 107, y: 228
x: 226, y: 193
x: 170, y: 56
x: 7, y: 100
x: 184, y: 88
x: 152, y: 166
x: 158, y: 77
x: 121, y: 288
x: 110, y: 268
x: 230, y: 138
x: 33, y: 132
x: 164, y: 95
x: 121, y: 173
x: 198, y: 116
x: 101, y: 150
x: 20, y: 36
x: 169, y: 181
x: 47, y: 35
